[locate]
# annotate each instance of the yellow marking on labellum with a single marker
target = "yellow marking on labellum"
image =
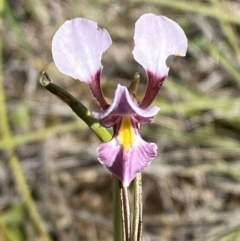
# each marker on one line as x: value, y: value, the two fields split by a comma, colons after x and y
x: 126, y: 133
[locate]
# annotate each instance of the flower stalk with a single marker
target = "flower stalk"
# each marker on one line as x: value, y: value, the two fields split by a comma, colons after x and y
x: 117, y: 211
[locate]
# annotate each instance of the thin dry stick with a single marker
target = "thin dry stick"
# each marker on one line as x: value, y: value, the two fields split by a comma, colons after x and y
x: 137, y: 210
x: 125, y: 213
x: 140, y: 224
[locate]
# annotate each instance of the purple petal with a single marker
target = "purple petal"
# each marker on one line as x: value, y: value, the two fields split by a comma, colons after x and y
x: 143, y: 120
x: 156, y: 38
x: 109, y: 121
x: 126, y: 165
x: 77, y: 49
x: 124, y: 104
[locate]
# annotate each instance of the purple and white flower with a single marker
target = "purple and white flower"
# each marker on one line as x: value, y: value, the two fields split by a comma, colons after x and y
x: 77, y: 49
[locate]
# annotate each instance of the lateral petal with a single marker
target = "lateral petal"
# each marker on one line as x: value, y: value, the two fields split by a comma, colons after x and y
x: 156, y: 38
x: 77, y: 49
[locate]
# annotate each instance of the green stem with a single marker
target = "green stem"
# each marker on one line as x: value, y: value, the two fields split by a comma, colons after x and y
x: 117, y: 219
x: 102, y: 133
x: 80, y: 110
x: 7, y: 233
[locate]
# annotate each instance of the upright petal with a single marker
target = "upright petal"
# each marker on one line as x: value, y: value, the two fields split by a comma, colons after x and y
x: 156, y: 38
x: 124, y: 104
x: 77, y: 49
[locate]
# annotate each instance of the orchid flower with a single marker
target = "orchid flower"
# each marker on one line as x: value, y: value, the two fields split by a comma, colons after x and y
x: 77, y: 49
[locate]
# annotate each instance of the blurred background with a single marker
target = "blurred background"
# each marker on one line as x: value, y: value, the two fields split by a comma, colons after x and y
x: 191, y: 191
